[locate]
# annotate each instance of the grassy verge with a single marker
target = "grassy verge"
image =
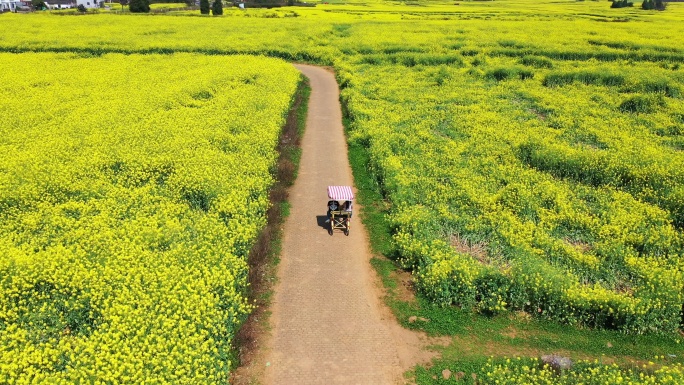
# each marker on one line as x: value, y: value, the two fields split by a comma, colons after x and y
x: 476, y: 338
x: 375, y: 207
x: 264, y: 256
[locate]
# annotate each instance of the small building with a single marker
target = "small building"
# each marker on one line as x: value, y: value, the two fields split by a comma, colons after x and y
x: 60, y: 4
x: 9, y: 5
x: 90, y: 3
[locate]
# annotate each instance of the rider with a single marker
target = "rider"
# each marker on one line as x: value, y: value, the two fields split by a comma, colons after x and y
x: 332, y: 206
x: 348, y: 208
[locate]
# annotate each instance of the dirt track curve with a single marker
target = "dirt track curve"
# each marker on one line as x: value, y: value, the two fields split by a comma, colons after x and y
x: 329, y: 325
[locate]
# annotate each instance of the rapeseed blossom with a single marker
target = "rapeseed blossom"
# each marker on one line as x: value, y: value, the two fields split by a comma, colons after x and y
x: 128, y: 206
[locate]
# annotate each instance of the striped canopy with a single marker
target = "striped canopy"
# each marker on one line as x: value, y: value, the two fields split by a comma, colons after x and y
x: 340, y: 193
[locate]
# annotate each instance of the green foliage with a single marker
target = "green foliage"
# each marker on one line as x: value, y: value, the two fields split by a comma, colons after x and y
x: 409, y: 59
x: 658, y: 5
x: 139, y: 6
x: 621, y: 4
x: 536, y: 61
x: 662, y: 86
x: 505, y: 73
x: 603, y: 78
x: 217, y: 8
x: 479, y: 61
x: 374, y: 214
x: 642, y: 104
x: 442, y: 76
x: 204, y: 7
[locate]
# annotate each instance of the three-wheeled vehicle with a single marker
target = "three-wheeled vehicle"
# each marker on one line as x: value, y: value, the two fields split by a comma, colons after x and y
x: 340, y: 200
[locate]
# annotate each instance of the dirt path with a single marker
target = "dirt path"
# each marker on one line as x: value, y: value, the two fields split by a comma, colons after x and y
x: 329, y: 325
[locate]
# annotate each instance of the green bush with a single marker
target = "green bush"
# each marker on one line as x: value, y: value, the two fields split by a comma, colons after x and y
x: 500, y: 74
x: 479, y: 61
x: 204, y: 7
x: 621, y: 4
x: 536, y: 61
x: 139, y: 6
x: 217, y: 8
x: 469, y: 52
x: 642, y: 104
x: 598, y: 78
x: 661, y: 87
x: 658, y: 5
x: 525, y: 74
x: 38, y: 4
x: 504, y: 73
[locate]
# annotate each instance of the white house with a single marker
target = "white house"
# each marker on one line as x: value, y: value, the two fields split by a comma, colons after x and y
x: 60, y: 4
x: 90, y: 3
x: 9, y: 5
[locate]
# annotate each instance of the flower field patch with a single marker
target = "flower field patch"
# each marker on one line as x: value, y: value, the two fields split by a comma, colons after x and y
x: 131, y: 190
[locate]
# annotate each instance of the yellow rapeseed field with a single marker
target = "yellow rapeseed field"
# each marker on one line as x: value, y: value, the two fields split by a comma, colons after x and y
x: 530, y: 151
x: 131, y: 190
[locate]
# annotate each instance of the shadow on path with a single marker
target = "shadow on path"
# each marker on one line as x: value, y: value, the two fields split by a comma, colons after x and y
x: 321, y: 221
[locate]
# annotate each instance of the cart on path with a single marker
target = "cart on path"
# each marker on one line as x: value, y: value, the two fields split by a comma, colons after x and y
x: 340, y: 200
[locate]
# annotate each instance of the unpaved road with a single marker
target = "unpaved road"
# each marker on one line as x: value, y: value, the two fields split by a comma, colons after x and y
x: 329, y: 325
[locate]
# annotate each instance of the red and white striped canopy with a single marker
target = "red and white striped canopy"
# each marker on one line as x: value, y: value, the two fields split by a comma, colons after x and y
x: 340, y: 193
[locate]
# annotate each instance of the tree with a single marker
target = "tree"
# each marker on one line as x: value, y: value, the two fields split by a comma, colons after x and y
x: 658, y: 5
x: 139, y: 6
x: 204, y: 7
x: 217, y: 8
x: 38, y: 4
x: 621, y: 4
x: 81, y: 8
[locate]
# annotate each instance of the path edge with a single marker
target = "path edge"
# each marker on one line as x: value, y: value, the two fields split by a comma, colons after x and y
x: 264, y: 257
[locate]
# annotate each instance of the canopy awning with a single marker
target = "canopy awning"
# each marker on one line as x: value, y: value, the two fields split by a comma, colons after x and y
x: 340, y: 193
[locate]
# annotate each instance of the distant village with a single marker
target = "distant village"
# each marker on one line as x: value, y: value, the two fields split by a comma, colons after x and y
x: 25, y: 5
